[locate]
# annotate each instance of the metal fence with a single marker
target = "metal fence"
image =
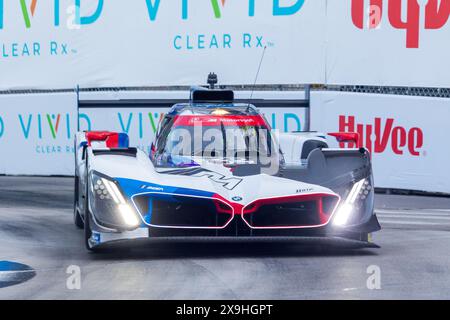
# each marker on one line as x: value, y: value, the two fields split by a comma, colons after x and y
x: 404, y: 91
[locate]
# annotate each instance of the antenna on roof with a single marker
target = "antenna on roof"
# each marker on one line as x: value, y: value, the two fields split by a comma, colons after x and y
x: 212, y: 80
x: 257, y: 73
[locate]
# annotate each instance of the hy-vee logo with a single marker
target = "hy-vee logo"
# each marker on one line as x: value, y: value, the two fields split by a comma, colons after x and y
x: 383, y: 135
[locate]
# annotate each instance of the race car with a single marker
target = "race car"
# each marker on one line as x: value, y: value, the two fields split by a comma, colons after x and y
x: 218, y: 172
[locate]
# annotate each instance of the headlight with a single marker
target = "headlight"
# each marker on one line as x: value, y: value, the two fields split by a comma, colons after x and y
x: 109, y: 205
x: 359, y: 192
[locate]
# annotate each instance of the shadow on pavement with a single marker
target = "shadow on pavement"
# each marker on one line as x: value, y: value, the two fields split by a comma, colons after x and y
x: 143, y: 251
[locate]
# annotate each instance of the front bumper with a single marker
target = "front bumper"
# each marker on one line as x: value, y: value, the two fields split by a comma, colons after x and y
x: 355, y: 237
x: 325, y: 242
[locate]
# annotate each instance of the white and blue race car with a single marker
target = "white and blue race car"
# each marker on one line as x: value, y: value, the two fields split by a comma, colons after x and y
x: 217, y: 171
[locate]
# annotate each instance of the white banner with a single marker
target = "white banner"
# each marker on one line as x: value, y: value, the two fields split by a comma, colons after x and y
x: 406, y: 135
x: 99, y: 43
x: 95, y: 43
x: 141, y: 123
x: 36, y: 133
x: 37, y: 130
x: 388, y: 43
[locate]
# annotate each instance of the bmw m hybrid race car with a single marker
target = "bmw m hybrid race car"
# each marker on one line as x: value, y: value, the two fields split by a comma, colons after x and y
x: 218, y: 172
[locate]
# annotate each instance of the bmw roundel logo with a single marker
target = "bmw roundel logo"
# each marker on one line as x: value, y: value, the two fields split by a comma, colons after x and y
x: 237, y: 199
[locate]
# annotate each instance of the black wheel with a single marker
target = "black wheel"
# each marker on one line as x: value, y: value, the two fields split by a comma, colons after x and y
x: 87, y: 231
x: 87, y: 214
x: 78, y: 221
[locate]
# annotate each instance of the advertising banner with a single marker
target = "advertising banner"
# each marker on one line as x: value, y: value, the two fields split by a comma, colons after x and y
x: 405, y: 135
x: 37, y: 130
x: 36, y: 133
x: 141, y: 123
x: 98, y: 43
x: 388, y: 43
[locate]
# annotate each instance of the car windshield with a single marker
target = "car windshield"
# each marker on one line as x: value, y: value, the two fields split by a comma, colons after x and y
x: 233, y: 137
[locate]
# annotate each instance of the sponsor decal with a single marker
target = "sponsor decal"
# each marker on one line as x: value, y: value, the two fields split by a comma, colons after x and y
x: 13, y: 273
x: 303, y: 190
x: 402, y: 15
x: 44, y: 125
x: 2, y: 127
x: 141, y: 127
x: 218, y: 7
x: 202, y: 41
x: 147, y: 187
x: 291, y: 122
x: 54, y: 132
x: 28, y: 11
x: 237, y: 121
x: 384, y: 134
x: 139, y: 121
x: 96, y: 237
x: 227, y: 182
x: 76, y: 18
x: 50, y: 129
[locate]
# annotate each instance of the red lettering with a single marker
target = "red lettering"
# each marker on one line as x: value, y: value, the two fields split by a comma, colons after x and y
x: 437, y: 16
x: 381, y: 140
x: 436, y: 12
x: 398, y: 140
x: 346, y: 126
x: 368, y: 138
x: 411, y: 25
x: 358, y: 13
x: 375, y: 13
x: 360, y: 130
x: 415, y: 138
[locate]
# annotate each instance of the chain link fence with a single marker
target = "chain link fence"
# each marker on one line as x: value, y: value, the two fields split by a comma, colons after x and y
x: 404, y: 91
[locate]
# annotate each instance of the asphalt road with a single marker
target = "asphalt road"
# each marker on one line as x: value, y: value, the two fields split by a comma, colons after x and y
x: 36, y: 229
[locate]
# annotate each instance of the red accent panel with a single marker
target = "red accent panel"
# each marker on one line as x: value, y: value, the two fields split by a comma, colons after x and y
x: 324, y: 217
x: 111, y: 138
x: 214, y: 121
x: 346, y: 137
x: 229, y: 208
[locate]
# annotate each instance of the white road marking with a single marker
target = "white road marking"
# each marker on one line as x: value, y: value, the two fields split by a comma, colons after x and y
x: 412, y: 213
x: 415, y: 223
x: 424, y: 218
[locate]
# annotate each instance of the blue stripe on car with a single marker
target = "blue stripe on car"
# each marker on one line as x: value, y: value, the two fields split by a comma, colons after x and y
x: 132, y: 187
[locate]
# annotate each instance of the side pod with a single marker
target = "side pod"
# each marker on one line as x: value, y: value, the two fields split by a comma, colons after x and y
x: 332, y: 168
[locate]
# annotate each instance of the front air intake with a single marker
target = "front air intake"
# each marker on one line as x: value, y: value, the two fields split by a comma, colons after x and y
x: 291, y: 212
x: 183, y: 212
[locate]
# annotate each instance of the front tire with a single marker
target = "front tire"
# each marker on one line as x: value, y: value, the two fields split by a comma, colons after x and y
x: 87, y: 231
x: 87, y: 215
x: 78, y: 221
